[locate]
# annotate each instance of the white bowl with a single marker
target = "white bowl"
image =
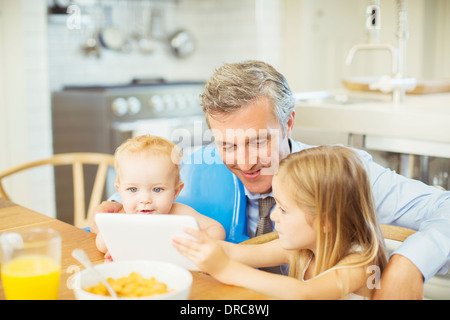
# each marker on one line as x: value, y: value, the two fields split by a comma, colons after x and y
x: 177, y: 279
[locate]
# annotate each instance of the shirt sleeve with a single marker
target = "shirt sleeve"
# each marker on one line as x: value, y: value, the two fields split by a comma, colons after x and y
x: 412, y: 204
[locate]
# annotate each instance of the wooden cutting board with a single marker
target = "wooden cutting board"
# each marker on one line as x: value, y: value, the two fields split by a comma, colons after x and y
x: 431, y: 86
x: 422, y: 87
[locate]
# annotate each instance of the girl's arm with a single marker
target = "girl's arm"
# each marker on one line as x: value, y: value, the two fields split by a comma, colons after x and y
x: 211, y: 257
x: 331, y: 285
x: 212, y: 227
x: 257, y: 255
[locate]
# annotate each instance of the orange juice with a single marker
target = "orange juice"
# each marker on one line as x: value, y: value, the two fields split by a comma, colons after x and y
x: 31, y: 277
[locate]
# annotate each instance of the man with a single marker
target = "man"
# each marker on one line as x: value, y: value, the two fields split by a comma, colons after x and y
x: 250, y: 109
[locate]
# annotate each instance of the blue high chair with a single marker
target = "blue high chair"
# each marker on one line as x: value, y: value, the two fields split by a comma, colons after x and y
x: 212, y: 190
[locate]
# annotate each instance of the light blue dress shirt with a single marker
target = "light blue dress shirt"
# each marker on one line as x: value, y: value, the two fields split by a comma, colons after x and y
x: 402, y: 202
x: 412, y: 204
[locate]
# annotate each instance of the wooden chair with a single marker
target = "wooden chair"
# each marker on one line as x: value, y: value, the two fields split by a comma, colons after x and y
x: 262, y: 238
x: 389, y: 232
x: 396, y: 233
x: 76, y: 160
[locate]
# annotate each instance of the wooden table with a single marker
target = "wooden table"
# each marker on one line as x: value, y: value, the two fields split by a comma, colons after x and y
x: 14, y: 217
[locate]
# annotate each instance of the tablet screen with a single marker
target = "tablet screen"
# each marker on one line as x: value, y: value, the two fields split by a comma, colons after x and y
x: 145, y: 236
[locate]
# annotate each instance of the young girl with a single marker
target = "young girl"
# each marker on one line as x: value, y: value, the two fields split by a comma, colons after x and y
x: 327, y: 227
x: 148, y: 180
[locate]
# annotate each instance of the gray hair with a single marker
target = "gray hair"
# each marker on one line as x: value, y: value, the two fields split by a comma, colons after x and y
x: 238, y: 84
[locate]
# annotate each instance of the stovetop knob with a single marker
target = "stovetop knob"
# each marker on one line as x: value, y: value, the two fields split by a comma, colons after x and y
x: 119, y: 107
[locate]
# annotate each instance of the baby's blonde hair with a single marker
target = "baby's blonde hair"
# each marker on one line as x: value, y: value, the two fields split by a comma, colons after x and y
x: 148, y: 144
x: 330, y: 184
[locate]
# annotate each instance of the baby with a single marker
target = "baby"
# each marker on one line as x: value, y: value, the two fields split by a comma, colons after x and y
x: 148, y: 180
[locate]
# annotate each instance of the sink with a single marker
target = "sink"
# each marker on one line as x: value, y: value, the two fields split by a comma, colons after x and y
x: 327, y: 97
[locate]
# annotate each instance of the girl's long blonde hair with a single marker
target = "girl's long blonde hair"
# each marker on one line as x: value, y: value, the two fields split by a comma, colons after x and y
x: 330, y: 184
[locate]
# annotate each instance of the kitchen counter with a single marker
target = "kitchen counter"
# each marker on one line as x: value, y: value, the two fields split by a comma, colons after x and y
x: 420, y: 125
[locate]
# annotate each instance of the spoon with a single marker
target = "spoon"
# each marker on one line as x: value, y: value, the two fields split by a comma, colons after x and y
x: 82, y: 257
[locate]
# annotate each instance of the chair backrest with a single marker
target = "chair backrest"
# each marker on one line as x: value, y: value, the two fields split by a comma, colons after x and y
x: 212, y: 190
x: 262, y: 238
x: 394, y: 236
x: 389, y: 232
x: 76, y: 160
x: 396, y: 233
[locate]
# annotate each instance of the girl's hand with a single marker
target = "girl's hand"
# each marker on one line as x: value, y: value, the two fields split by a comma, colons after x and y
x: 205, y: 252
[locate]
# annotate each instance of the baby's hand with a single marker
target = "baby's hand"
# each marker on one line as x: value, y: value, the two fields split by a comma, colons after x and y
x: 205, y: 252
x: 105, y: 206
x: 108, y: 257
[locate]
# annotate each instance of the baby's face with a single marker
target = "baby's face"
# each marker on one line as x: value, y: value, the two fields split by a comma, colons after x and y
x: 148, y: 183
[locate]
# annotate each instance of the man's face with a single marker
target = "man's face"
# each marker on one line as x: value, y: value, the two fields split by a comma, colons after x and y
x: 251, y: 143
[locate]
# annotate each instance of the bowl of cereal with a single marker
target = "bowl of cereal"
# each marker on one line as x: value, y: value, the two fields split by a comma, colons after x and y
x: 134, y: 279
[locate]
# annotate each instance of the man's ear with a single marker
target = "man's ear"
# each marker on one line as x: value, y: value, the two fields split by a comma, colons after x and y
x: 290, y: 124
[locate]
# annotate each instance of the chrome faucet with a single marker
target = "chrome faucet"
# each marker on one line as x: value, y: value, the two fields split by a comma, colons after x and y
x: 374, y: 46
x: 397, y: 81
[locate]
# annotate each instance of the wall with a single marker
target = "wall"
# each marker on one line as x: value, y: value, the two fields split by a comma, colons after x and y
x: 24, y: 100
x: 319, y: 34
x: 4, y: 162
x: 437, y: 40
x: 306, y: 40
x: 224, y: 30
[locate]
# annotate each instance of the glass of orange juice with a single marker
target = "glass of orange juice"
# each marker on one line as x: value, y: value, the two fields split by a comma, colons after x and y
x: 30, y: 264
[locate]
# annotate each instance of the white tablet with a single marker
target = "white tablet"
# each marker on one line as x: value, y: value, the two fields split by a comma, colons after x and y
x: 145, y: 236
